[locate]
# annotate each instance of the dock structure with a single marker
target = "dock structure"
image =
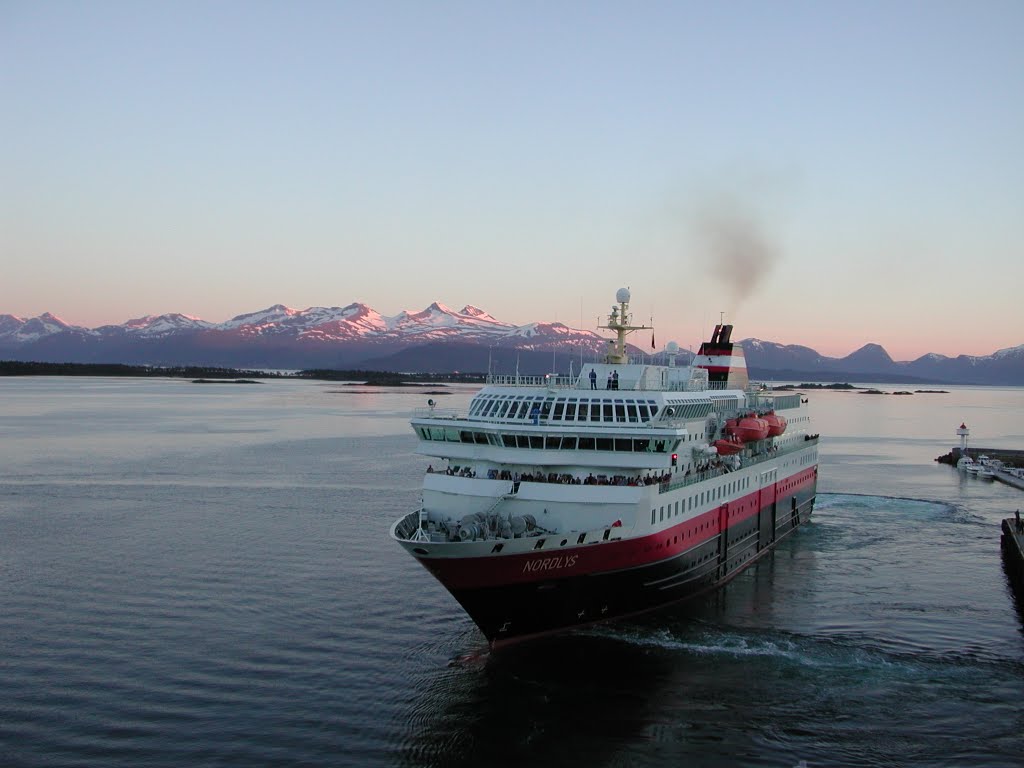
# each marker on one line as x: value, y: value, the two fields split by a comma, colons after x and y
x: 1013, y: 547
x: 1009, y: 457
x: 1005, y: 477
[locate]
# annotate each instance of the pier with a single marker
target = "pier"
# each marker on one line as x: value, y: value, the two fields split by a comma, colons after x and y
x: 1009, y: 458
x: 1013, y: 548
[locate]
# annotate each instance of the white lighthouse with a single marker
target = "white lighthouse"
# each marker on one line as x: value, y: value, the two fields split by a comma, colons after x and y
x: 964, y: 459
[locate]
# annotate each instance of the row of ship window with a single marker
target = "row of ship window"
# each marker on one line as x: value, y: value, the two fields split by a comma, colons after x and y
x: 563, y: 409
x: 658, y: 514
x: 548, y: 442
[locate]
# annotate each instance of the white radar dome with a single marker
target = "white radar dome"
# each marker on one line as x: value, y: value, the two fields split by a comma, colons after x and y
x: 622, y: 295
x: 671, y: 347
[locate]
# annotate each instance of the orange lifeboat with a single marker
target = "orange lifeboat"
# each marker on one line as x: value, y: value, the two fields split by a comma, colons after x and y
x: 776, y: 424
x: 748, y: 429
x: 728, y: 447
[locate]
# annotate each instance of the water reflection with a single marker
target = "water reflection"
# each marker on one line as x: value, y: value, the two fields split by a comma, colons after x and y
x: 577, y: 699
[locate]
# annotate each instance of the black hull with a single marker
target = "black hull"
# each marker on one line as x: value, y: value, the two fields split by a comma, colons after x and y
x: 514, y: 612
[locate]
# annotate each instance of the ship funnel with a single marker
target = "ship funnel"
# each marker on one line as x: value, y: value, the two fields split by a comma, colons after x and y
x: 723, y: 360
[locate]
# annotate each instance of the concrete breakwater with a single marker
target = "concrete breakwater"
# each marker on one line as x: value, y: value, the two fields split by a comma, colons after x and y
x: 1009, y: 457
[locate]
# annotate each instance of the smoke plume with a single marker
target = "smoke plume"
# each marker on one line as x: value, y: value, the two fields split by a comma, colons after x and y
x: 735, y: 245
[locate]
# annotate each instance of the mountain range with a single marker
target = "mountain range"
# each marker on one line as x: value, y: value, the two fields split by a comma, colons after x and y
x: 437, y: 339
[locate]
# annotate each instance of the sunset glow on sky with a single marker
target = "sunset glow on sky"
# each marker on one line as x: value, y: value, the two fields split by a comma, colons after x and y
x: 827, y: 174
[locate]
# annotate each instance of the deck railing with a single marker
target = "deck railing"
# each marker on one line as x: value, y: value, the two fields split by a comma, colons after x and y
x: 751, y: 461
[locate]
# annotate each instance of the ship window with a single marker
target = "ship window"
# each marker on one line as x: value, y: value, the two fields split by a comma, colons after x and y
x: 604, y: 444
x: 623, y: 445
x: 653, y: 513
x: 568, y: 443
x: 595, y: 411
x: 452, y: 435
x: 480, y: 437
x: 620, y: 411
x: 545, y: 408
x: 494, y: 439
x: 661, y: 514
x: 552, y: 443
x: 536, y: 442
x: 586, y: 443
x: 641, y: 445
x: 645, y: 413
x: 559, y: 409
x: 509, y: 441
x: 608, y: 412
x: 570, y: 411
x: 584, y: 408
x: 522, y: 441
x: 631, y: 409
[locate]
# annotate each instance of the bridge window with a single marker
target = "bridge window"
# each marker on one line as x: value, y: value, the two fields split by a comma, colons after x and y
x: 570, y: 410
x: 545, y: 408
x: 587, y: 444
x: 631, y: 410
x: 604, y: 444
x: 559, y: 409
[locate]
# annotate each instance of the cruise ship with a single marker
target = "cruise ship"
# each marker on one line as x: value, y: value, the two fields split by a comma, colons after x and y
x: 559, y: 501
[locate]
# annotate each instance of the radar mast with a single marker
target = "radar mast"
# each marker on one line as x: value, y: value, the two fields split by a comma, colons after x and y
x: 619, y: 321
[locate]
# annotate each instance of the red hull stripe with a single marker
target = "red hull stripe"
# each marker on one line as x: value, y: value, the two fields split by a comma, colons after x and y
x: 497, y: 570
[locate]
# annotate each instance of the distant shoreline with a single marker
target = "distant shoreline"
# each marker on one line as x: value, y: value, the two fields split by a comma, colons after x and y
x: 211, y: 374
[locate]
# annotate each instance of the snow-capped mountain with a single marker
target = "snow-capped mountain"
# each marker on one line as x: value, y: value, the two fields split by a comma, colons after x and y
x: 437, y: 338
x: 282, y: 337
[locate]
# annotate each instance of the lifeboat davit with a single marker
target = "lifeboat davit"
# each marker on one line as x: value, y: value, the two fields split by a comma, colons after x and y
x: 728, y: 447
x: 776, y: 424
x: 748, y: 429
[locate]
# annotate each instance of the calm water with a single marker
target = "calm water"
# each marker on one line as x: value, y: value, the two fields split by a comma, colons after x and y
x: 201, y: 575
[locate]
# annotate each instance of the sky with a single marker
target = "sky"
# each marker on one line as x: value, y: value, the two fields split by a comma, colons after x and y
x: 826, y: 174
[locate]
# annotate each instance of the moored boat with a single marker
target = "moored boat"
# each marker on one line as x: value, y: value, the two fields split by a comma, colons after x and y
x: 563, y: 504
